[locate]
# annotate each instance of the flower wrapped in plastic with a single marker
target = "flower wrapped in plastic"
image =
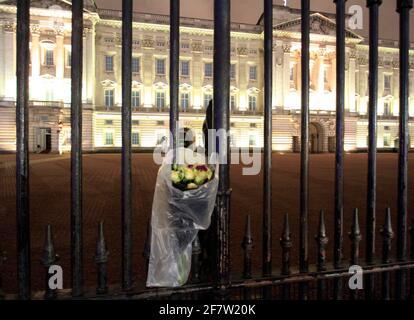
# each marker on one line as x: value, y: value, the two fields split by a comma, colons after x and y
x: 183, y: 202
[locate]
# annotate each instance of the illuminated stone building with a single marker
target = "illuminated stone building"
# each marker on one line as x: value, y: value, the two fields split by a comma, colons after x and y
x: 50, y: 52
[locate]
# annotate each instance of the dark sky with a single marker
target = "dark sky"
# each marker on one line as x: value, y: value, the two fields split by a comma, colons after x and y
x: 248, y: 11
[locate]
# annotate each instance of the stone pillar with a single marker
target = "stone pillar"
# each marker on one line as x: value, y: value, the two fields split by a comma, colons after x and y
x: 196, y: 74
x: 35, y: 51
x: 9, y: 61
x: 320, y: 67
x: 286, y: 72
x: 2, y: 64
x: 148, y: 72
x: 243, y: 78
x: 89, y: 53
x: 60, y: 54
x: 395, y: 87
x: 352, y: 81
x: 278, y: 74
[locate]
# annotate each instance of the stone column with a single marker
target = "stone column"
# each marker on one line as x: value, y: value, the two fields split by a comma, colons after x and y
x: 35, y: 51
x: 148, y: 72
x: 321, y: 71
x: 278, y: 74
x: 395, y: 87
x: 196, y: 74
x: 286, y: 72
x: 9, y: 60
x: 2, y: 63
x: 411, y: 91
x: 352, y: 80
x: 60, y: 54
x: 89, y: 53
x: 243, y: 78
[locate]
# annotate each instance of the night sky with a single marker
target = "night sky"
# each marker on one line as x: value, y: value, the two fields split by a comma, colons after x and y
x: 249, y: 11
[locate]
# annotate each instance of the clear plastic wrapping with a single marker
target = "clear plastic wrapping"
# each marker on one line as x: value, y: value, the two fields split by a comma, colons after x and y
x: 176, y: 218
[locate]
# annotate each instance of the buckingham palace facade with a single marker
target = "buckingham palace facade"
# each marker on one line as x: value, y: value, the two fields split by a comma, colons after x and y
x: 50, y: 53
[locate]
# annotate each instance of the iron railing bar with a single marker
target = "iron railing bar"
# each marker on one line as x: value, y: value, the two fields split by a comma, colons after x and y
x: 127, y: 10
x: 403, y: 8
x: 22, y: 151
x: 339, y: 152
x: 222, y: 123
x: 276, y: 280
x: 267, y: 175
x: 174, y: 70
x: 304, y: 159
x: 373, y: 6
x: 76, y: 149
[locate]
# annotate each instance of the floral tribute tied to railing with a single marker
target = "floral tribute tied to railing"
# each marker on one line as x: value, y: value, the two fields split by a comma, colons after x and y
x: 184, y: 200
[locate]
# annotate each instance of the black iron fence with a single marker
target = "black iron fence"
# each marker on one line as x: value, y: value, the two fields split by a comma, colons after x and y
x: 384, y: 278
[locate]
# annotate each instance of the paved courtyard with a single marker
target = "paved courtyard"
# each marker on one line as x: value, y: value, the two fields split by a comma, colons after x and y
x: 50, y: 203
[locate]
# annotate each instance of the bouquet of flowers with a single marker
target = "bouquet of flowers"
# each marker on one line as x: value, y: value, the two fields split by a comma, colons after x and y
x: 183, y: 202
x: 190, y: 177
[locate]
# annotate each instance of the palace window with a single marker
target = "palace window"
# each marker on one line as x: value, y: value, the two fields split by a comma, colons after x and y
x: 252, y: 103
x: 252, y: 140
x: 292, y: 76
x: 232, y: 140
x: 233, y: 71
x: 135, y: 65
x: 387, y: 139
x: 135, y: 138
x: 109, y: 138
x: 253, y: 72
x: 184, y: 100
x: 387, y: 84
x: 232, y: 102
x: 68, y: 58
x: 136, y: 98
x: 160, y: 67
x: 185, y: 68
x: 109, y: 63
x: 109, y: 97
x: 49, y: 61
x: 387, y: 107
x: 206, y: 99
x: 160, y: 99
x: 326, y: 79
x: 208, y: 69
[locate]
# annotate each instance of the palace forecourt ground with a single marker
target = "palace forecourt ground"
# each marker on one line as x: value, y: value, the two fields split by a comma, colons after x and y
x: 50, y: 203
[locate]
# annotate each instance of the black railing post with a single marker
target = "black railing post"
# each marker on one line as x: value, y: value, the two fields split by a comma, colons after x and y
x: 403, y: 8
x: 304, y: 154
x: 48, y: 259
x: 286, y: 244
x: 127, y: 12
x: 76, y: 150
x: 101, y: 260
x: 321, y: 242
x: 267, y: 174
x: 22, y: 150
x: 3, y: 258
x: 412, y: 258
x: 373, y: 6
x: 339, y: 152
x: 387, y: 236
x: 355, y: 237
x: 195, y: 260
x: 222, y: 123
x: 247, y: 246
x: 174, y: 68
